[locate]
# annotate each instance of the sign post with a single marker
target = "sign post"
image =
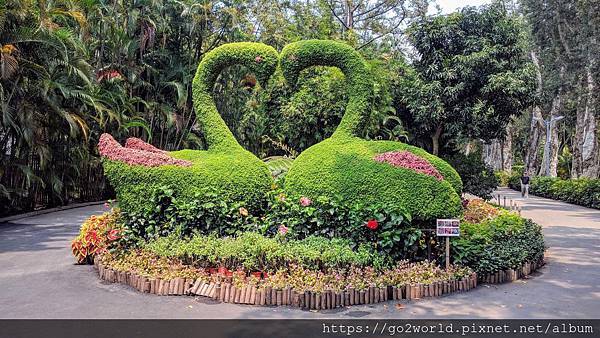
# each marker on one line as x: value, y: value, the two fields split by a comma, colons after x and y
x: 448, y: 228
x: 447, y: 252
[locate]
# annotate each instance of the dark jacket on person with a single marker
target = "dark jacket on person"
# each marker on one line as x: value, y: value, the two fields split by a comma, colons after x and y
x: 525, y: 179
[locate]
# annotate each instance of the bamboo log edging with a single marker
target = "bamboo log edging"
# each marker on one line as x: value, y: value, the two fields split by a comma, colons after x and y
x: 510, y: 275
x: 226, y: 292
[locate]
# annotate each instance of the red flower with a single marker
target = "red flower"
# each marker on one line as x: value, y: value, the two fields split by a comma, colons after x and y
x: 372, y: 224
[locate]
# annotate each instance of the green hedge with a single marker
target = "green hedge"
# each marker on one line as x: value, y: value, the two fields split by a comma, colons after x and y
x: 582, y: 191
x: 343, y: 166
x: 255, y: 252
x: 225, y: 168
x: 504, y: 242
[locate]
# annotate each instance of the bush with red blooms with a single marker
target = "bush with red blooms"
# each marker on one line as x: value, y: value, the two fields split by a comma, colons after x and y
x: 477, y: 211
x: 388, y: 229
x: 97, y: 234
x: 408, y: 160
x: 111, y: 149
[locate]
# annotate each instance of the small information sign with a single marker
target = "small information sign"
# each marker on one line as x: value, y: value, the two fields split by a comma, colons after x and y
x: 448, y: 227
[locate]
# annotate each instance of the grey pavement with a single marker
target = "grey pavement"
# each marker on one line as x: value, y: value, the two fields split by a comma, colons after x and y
x: 38, y: 278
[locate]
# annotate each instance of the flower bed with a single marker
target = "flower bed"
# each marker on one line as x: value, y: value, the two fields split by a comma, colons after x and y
x: 295, y: 286
x: 285, y: 268
x: 292, y: 286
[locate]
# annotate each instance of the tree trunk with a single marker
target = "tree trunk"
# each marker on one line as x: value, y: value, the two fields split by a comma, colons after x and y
x: 585, y: 151
x: 435, y: 140
x: 552, y: 150
x: 507, y: 152
x: 531, y: 158
x: 554, y: 146
x: 498, y: 153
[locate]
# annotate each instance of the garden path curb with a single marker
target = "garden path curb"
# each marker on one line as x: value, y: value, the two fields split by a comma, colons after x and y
x: 50, y: 210
x: 223, y: 290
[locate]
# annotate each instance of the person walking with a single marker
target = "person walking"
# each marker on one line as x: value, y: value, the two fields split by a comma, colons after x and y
x: 525, y: 185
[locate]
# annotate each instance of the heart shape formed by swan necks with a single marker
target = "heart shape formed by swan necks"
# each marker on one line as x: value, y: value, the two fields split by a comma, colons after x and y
x: 342, y: 166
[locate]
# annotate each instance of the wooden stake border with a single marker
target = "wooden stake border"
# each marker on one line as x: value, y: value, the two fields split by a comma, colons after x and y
x: 251, y: 294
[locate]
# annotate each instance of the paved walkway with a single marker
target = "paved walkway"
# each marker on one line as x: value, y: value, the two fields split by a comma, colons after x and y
x: 39, y: 280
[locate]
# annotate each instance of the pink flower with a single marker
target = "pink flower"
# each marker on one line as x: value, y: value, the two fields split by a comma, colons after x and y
x: 111, y: 149
x: 408, y: 160
x: 258, y: 59
x: 305, y: 201
x: 136, y: 143
x: 282, y: 230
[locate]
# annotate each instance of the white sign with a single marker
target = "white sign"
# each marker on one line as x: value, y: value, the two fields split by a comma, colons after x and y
x: 448, y: 227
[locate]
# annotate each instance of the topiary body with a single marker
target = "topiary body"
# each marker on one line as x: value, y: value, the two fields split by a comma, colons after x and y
x: 344, y: 166
x: 225, y: 168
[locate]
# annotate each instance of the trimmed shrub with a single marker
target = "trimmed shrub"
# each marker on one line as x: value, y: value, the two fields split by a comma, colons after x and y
x: 386, y: 228
x: 478, y: 178
x: 225, y: 168
x: 503, y: 177
x: 254, y: 252
x: 499, y: 243
x: 207, y: 212
x: 344, y: 165
x: 347, y: 169
x: 582, y: 191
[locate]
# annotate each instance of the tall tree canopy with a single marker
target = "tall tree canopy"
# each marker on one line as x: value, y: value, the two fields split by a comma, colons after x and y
x: 471, y: 75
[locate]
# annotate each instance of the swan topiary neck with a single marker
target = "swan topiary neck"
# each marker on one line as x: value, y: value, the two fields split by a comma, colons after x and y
x: 300, y: 55
x: 257, y: 57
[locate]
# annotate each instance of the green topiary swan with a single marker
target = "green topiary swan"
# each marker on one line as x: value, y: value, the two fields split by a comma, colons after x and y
x: 360, y: 171
x: 224, y: 168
